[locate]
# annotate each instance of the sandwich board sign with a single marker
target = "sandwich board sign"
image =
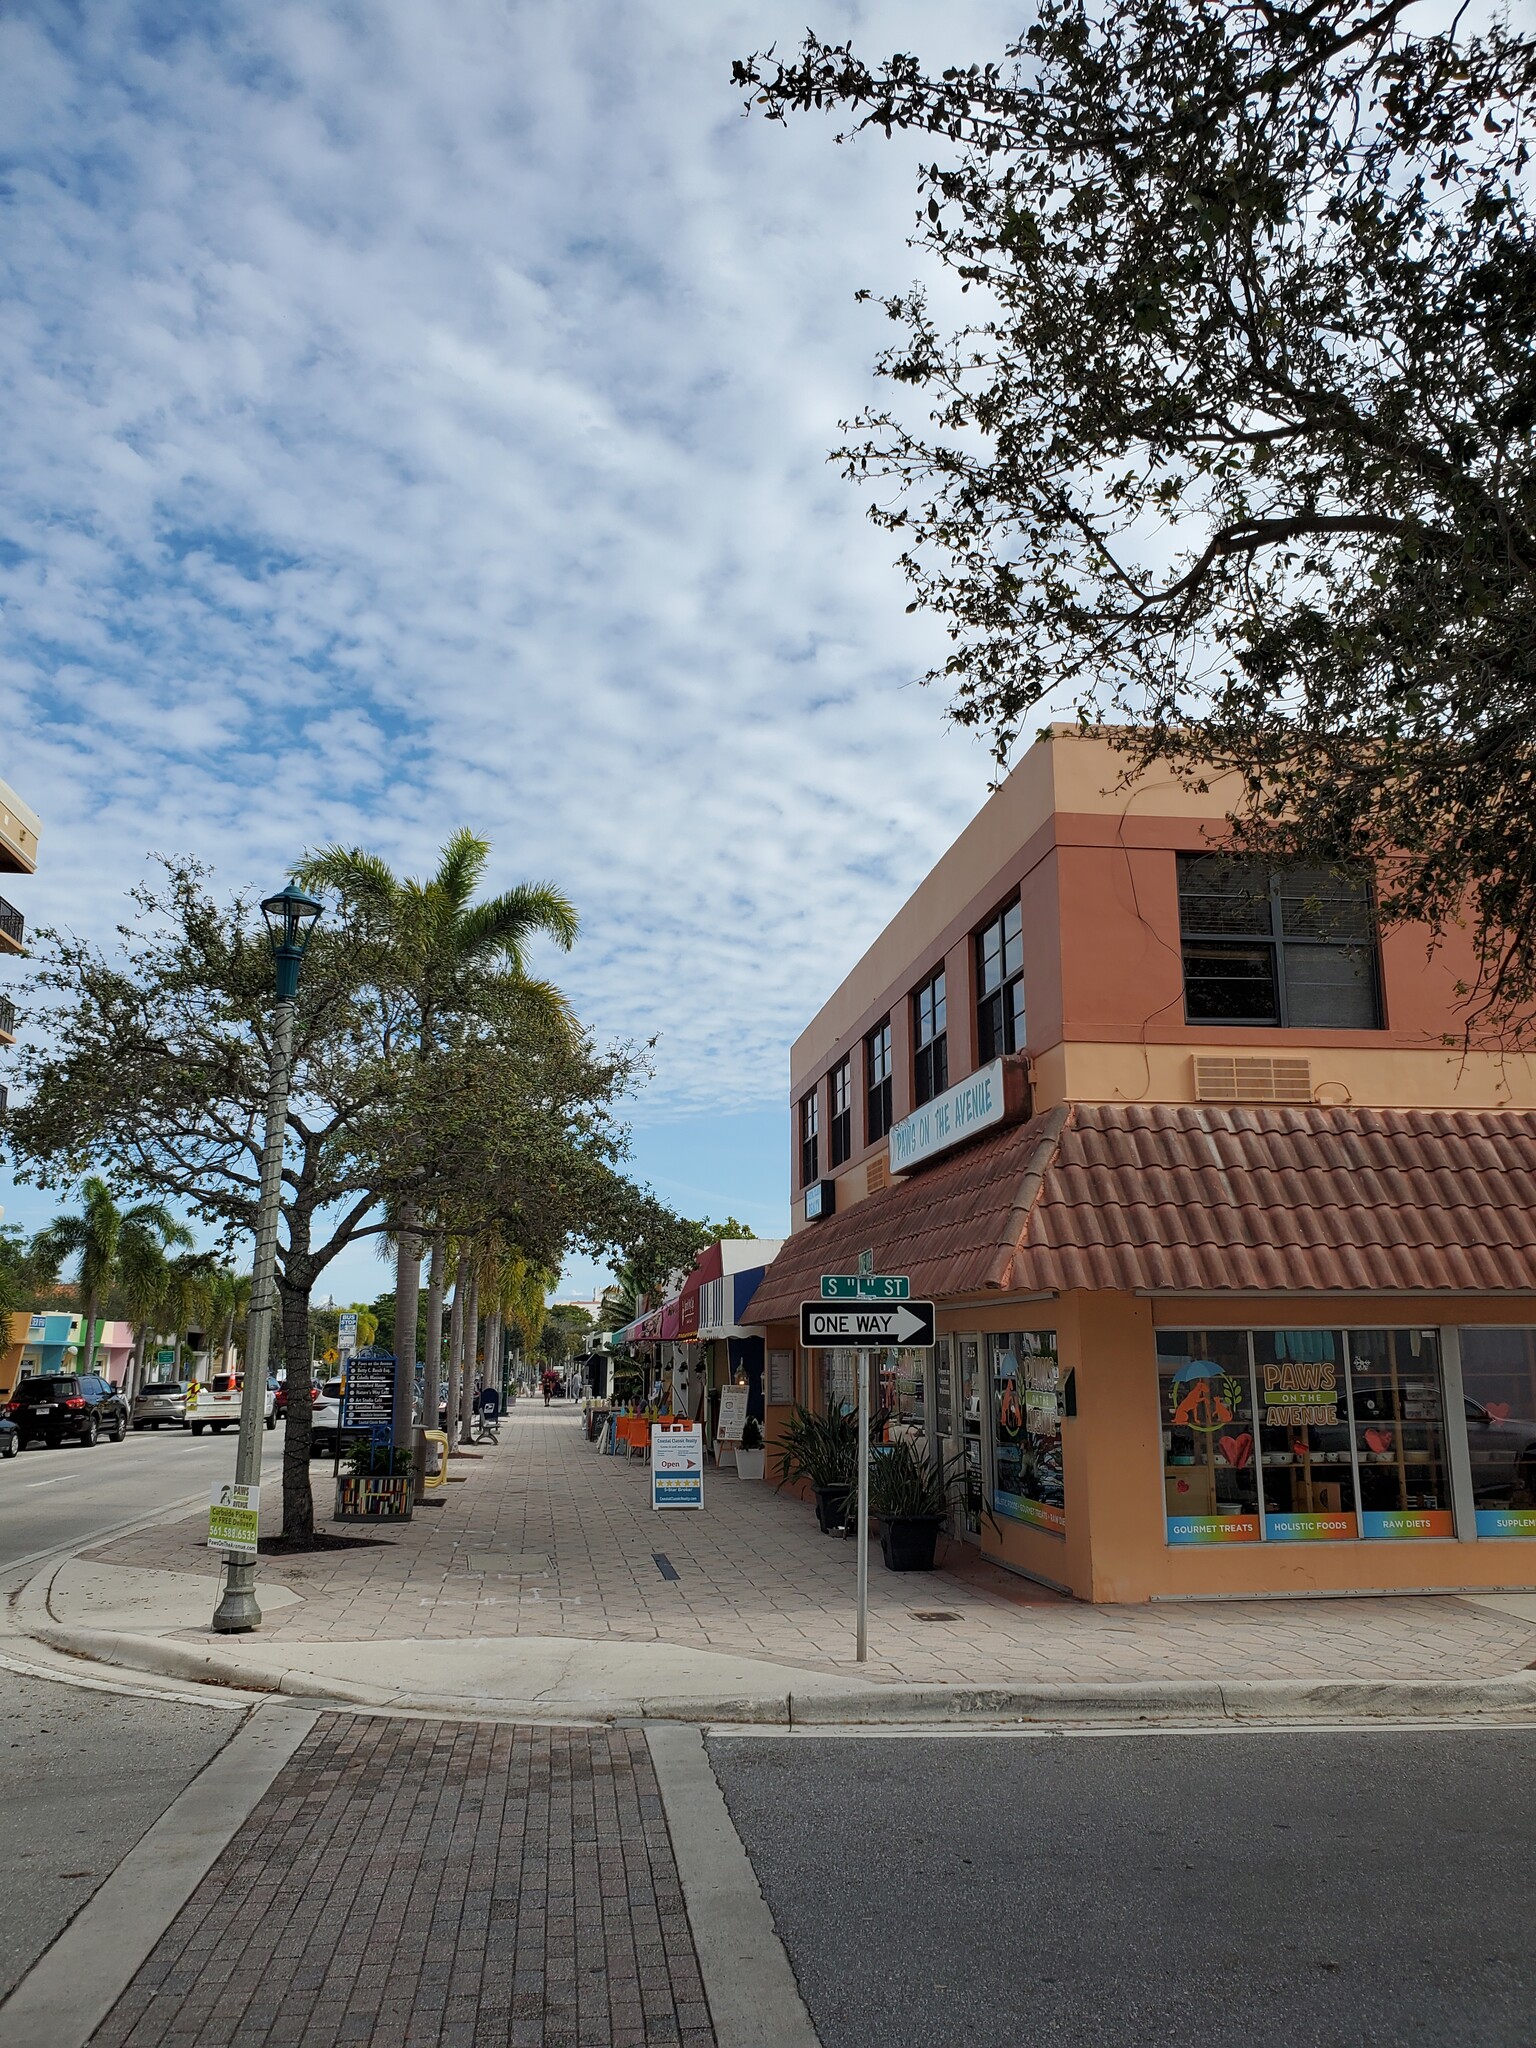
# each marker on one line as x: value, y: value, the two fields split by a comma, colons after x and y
x: 677, y: 1466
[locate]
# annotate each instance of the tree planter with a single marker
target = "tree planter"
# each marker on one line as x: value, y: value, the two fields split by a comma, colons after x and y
x: 373, y: 1497
x: 907, y: 1542
x: 749, y: 1464
x: 831, y: 1509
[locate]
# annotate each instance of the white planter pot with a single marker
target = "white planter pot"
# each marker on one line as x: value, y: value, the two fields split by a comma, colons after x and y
x: 750, y: 1463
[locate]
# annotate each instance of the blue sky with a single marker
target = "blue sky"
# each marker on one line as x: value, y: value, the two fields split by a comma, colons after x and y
x: 417, y: 416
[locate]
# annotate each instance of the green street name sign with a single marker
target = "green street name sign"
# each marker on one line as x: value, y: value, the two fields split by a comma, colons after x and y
x: 865, y: 1287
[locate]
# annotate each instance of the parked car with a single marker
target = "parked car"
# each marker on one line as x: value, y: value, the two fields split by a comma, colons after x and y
x: 160, y: 1401
x: 215, y: 1404
x: 10, y: 1442
x: 74, y: 1405
x: 325, y: 1420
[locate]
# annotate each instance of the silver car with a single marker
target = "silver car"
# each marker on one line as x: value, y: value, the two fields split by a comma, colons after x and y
x: 160, y: 1401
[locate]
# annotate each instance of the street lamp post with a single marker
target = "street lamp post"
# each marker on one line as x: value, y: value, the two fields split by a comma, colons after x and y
x: 290, y: 916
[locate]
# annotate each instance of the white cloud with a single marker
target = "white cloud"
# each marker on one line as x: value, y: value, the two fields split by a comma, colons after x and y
x: 417, y: 416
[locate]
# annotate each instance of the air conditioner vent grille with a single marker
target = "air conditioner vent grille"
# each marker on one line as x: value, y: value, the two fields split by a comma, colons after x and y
x: 1243, y: 1077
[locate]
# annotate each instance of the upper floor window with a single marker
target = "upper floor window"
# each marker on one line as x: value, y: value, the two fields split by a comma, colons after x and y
x: 877, y: 1082
x: 930, y: 1040
x: 1000, y: 985
x: 840, y: 1130
x: 1294, y: 947
x: 810, y: 1138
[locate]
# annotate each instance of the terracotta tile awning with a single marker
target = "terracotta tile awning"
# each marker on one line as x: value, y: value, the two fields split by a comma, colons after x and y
x: 1175, y: 1198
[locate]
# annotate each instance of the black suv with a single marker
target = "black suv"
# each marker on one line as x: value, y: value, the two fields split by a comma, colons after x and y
x: 77, y: 1405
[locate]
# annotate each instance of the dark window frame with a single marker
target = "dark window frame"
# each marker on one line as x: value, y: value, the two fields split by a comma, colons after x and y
x: 930, y: 1038
x: 1001, y: 1017
x: 810, y: 1138
x: 1270, y: 943
x: 877, y: 1081
x: 840, y: 1112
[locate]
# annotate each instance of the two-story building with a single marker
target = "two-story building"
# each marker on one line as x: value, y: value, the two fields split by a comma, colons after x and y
x: 19, y: 829
x: 1233, y: 1239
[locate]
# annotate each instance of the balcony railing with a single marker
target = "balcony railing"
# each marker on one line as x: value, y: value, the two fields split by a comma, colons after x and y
x: 7, y: 1017
x: 5, y: 1098
x: 12, y: 923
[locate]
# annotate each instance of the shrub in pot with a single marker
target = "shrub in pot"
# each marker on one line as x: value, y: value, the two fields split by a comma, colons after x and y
x: 750, y: 1454
x: 911, y: 1495
x: 823, y: 1451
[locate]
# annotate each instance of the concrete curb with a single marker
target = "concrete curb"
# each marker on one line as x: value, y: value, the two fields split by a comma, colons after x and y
x: 1207, y: 1700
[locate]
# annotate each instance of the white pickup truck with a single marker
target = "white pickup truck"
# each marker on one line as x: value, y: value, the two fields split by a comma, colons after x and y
x: 215, y: 1404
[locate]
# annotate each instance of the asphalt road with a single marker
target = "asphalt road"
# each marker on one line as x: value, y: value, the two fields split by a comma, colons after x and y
x: 50, y: 1498
x: 1275, y: 1890
x: 82, y: 1775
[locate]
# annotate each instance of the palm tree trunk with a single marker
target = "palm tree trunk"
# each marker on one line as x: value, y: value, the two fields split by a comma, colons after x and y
x: 437, y: 1286
x: 493, y: 1348
x: 456, y: 1338
x: 228, y: 1346
x: 471, y: 1354
x: 407, y: 1293
x: 92, y: 1303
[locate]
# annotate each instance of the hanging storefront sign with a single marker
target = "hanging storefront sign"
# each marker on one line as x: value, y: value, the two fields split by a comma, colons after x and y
x: 677, y: 1466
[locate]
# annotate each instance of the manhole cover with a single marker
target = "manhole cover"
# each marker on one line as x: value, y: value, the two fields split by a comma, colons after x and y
x: 933, y: 1614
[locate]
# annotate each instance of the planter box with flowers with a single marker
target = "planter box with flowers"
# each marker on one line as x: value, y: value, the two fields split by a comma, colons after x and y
x: 378, y: 1488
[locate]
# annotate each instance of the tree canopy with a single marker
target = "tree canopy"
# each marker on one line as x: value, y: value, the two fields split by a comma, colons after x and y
x: 1235, y: 452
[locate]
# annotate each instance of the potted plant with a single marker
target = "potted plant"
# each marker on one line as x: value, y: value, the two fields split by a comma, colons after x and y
x: 377, y: 1485
x: 911, y: 1495
x: 750, y: 1453
x: 823, y: 1452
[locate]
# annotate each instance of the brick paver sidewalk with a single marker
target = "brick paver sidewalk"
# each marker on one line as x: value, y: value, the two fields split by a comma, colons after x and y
x: 433, y: 1884
x: 544, y: 1537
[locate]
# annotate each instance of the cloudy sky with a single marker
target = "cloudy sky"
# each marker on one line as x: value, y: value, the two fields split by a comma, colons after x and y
x: 417, y: 416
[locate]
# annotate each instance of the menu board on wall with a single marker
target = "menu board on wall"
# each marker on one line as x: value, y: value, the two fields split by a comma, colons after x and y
x: 781, y: 1378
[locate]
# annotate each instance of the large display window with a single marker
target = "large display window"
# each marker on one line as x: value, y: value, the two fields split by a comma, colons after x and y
x: 1498, y: 1380
x: 1028, y: 1482
x: 1298, y: 1436
x: 1210, y: 1463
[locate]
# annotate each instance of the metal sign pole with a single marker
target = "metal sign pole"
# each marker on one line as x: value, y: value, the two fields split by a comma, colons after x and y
x: 861, y: 1645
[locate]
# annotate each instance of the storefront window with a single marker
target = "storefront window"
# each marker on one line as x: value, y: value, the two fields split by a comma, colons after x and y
x: 1027, y: 1476
x: 904, y: 1392
x: 1305, y: 1462
x: 839, y: 1378
x: 1498, y: 1378
x: 1297, y: 1436
x: 1405, y: 1479
x: 1210, y: 1471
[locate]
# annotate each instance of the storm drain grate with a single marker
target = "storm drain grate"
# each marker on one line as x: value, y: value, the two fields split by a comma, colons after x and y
x: 933, y: 1614
x: 664, y: 1564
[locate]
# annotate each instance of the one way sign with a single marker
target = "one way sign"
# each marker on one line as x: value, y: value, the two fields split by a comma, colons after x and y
x: 824, y: 1325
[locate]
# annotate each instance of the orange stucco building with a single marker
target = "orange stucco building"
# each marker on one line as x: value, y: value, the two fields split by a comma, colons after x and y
x: 1233, y: 1242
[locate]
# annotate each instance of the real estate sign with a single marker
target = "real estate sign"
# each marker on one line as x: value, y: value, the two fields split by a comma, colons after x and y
x: 677, y: 1466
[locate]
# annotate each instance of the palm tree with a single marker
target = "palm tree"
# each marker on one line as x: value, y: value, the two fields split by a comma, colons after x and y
x: 97, y: 1236
x: 437, y: 941
x: 186, y: 1296
x: 227, y: 1301
x: 143, y: 1280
